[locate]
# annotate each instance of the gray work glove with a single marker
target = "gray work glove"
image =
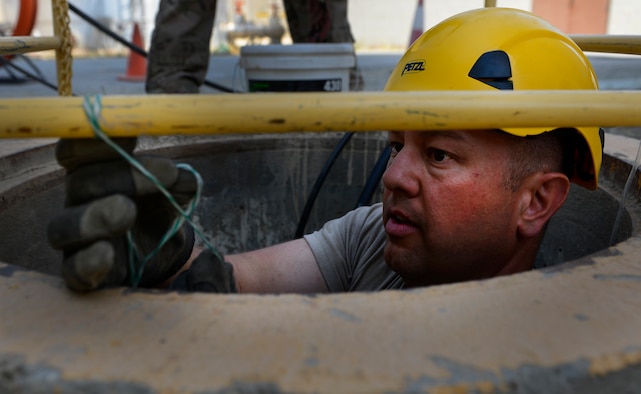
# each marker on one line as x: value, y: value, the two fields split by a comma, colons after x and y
x: 208, y: 274
x: 105, y: 197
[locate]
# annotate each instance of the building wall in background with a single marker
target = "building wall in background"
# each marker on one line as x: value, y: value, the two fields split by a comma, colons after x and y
x: 376, y: 24
x: 384, y: 24
x: 575, y: 16
x: 623, y: 17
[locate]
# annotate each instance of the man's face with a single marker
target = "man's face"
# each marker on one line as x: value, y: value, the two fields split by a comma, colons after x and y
x: 447, y: 214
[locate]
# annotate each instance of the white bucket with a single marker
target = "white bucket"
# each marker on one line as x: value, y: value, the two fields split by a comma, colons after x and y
x: 297, y: 67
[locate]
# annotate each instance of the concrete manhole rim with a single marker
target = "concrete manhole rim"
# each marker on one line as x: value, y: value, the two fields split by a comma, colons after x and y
x: 581, y: 317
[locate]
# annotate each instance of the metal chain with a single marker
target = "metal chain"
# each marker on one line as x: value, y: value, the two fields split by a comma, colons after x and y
x: 63, y: 54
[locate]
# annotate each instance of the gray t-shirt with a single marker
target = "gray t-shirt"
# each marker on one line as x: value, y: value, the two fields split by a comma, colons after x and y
x: 349, y: 252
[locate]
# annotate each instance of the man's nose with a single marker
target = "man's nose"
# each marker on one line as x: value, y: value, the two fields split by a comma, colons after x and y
x: 403, y: 173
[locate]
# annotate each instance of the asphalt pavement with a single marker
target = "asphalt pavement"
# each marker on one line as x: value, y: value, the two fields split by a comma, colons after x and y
x: 100, y: 75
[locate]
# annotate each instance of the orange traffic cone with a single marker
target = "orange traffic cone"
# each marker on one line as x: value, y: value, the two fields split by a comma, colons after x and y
x: 417, y: 28
x: 136, y: 64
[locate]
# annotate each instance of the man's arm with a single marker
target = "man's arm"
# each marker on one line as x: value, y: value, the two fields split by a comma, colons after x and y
x: 289, y: 267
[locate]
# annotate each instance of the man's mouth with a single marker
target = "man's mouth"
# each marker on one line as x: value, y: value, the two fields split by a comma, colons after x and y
x: 399, y: 224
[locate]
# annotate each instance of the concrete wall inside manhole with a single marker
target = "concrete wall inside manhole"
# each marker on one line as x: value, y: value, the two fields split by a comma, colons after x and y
x: 256, y: 188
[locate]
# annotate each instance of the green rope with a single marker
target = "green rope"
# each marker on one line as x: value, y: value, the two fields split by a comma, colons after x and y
x: 137, y: 262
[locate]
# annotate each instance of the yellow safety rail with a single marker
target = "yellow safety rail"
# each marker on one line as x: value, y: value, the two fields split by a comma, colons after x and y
x: 288, y: 112
x: 608, y: 43
x: 627, y: 44
x: 283, y: 112
x: 23, y: 44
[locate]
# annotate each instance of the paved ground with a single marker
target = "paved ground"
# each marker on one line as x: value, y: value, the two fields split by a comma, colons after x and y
x: 100, y: 75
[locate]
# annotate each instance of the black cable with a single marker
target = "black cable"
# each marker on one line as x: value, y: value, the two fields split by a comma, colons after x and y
x: 32, y: 65
x: 12, y: 78
x: 9, y: 63
x: 107, y: 31
x: 134, y: 48
x: 374, y: 178
x: 319, y: 183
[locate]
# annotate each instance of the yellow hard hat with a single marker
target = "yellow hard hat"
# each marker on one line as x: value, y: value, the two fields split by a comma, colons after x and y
x: 506, y: 49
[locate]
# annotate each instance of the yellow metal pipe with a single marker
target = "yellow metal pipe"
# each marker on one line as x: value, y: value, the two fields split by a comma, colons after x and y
x: 627, y: 44
x: 24, y: 44
x: 287, y: 112
x: 490, y: 3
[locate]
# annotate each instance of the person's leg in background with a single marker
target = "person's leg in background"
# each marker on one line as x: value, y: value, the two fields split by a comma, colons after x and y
x: 179, y: 51
x: 316, y: 21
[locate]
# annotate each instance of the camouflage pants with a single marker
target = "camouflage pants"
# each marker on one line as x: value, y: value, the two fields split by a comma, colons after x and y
x: 322, y: 21
x: 318, y: 20
x: 179, y: 49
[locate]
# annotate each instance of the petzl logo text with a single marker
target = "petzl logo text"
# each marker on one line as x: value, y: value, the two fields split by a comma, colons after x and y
x: 414, y: 66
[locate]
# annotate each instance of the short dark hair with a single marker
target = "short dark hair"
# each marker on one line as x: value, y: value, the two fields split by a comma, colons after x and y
x: 551, y: 151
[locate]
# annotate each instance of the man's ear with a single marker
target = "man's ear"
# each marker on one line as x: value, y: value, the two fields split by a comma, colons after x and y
x: 542, y: 194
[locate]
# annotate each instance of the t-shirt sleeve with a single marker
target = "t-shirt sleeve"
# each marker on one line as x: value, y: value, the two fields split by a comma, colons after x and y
x: 349, y: 250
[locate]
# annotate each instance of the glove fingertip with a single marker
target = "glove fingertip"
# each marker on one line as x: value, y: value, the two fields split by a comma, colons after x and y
x: 88, y: 268
x: 185, y: 187
x: 81, y: 225
x: 74, y: 152
x: 116, y: 213
x: 162, y: 168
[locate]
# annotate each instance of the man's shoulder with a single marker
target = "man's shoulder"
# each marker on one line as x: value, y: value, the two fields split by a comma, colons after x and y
x: 369, y: 215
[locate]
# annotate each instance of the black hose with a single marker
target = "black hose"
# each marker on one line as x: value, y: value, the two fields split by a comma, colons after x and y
x: 319, y: 183
x: 106, y: 30
x: 12, y: 78
x: 134, y: 48
x: 374, y: 178
x: 9, y: 64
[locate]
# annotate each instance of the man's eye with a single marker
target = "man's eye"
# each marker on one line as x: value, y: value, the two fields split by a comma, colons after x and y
x: 438, y: 155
